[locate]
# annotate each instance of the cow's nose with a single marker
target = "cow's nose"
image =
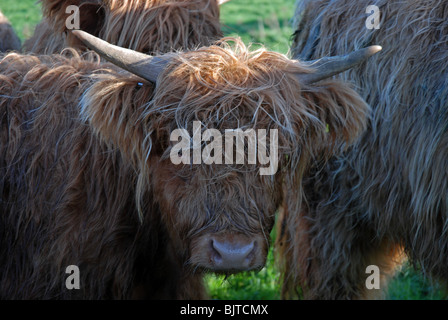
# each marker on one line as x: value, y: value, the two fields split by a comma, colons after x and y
x: 232, y: 255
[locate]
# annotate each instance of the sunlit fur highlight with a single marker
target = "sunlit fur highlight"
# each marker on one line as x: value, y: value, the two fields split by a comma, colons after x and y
x: 9, y: 41
x: 388, y: 192
x: 86, y: 177
x: 149, y: 26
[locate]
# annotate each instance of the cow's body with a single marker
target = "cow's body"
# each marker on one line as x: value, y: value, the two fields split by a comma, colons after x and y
x: 67, y: 198
x: 390, y: 190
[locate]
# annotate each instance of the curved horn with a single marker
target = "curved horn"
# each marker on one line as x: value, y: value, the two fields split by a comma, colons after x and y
x: 140, y: 64
x: 220, y: 2
x: 329, y: 66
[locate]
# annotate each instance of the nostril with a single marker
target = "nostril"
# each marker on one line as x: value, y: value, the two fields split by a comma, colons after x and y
x: 215, y: 255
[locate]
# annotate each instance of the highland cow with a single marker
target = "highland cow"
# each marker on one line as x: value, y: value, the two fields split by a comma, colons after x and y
x: 86, y: 178
x: 9, y: 41
x: 387, y: 196
x: 149, y: 26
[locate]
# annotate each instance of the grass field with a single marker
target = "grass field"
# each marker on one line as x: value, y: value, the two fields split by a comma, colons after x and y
x: 23, y: 14
x: 261, y: 22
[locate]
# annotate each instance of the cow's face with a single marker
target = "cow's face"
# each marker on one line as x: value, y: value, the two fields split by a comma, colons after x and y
x: 220, y: 218
x: 221, y: 214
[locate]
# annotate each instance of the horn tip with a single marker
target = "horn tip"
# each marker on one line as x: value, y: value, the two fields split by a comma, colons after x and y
x: 374, y: 49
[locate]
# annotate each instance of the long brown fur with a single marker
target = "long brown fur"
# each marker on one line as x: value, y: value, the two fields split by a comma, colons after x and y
x: 149, y: 26
x: 9, y: 41
x: 86, y: 180
x: 388, y: 192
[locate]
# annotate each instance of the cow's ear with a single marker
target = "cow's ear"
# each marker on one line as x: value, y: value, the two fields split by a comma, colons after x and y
x: 91, y: 20
x: 91, y: 16
x: 341, y: 110
x: 61, y: 13
x: 114, y: 110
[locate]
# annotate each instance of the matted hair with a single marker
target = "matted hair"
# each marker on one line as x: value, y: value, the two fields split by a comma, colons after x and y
x: 390, y: 189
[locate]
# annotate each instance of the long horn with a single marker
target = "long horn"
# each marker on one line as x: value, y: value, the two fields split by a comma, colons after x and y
x: 329, y: 66
x: 140, y: 64
x: 220, y: 2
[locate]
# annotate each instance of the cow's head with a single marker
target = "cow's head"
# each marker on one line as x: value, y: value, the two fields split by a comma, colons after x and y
x: 150, y: 26
x: 219, y: 200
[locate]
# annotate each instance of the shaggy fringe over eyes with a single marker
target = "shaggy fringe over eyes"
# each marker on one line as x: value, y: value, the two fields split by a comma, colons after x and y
x: 149, y: 26
x: 227, y: 86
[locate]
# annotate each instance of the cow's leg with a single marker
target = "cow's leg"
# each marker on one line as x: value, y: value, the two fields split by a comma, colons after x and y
x: 334, y: 259
x: 345, y: 274
x: 388, y: 257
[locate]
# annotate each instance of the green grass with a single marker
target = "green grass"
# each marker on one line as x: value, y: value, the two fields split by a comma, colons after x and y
x: 264, y: 22
x: 262, y: 285
x: 23, y: 14
x: 409, y: 284
x: 261, y: 22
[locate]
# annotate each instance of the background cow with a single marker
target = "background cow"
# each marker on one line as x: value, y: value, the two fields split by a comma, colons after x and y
x: 8, y: 38
x: 150, y: 26
x: 388, y: 192
x: 86, y: 178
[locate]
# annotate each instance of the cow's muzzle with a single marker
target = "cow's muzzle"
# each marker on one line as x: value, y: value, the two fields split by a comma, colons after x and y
x: 229, y: 253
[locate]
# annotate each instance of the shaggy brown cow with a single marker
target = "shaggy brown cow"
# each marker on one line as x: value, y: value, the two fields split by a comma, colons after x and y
x: 8, y: 38
x: 150, y: 26
x: 86, y: 177
x: 390, y: 189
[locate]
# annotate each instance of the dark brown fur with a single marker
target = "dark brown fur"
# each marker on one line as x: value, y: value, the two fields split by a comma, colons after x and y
x: 388, y: 193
